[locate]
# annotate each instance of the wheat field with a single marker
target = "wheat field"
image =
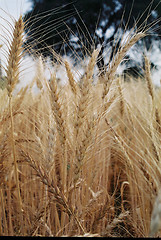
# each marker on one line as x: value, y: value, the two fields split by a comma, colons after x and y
x: 83, y: 158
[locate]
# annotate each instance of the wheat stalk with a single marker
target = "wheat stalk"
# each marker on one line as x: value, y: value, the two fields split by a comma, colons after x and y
x: 12, y: 70
x: 82, y: 110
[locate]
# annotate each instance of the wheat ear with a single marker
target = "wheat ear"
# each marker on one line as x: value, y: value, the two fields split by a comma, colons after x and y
x: 82, y: 112
x: 85, y: 91
x: 56, y: 107
x: 15, y: 54
x: 118, y: 58
x: 91, y: 65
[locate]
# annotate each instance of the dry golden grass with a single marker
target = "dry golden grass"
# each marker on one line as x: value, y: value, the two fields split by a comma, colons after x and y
x: 82, y: 159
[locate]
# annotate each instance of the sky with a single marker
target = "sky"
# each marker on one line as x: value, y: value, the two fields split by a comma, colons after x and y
x: 15, y: 7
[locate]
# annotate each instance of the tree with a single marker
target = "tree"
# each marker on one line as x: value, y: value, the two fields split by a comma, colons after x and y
x: 79, y: 25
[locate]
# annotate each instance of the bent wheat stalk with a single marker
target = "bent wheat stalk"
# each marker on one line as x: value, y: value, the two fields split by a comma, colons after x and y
x: 59, y: 196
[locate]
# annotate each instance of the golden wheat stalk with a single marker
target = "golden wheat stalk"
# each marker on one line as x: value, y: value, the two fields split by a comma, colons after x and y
x: 12, y: 70
x: 82, y: 110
